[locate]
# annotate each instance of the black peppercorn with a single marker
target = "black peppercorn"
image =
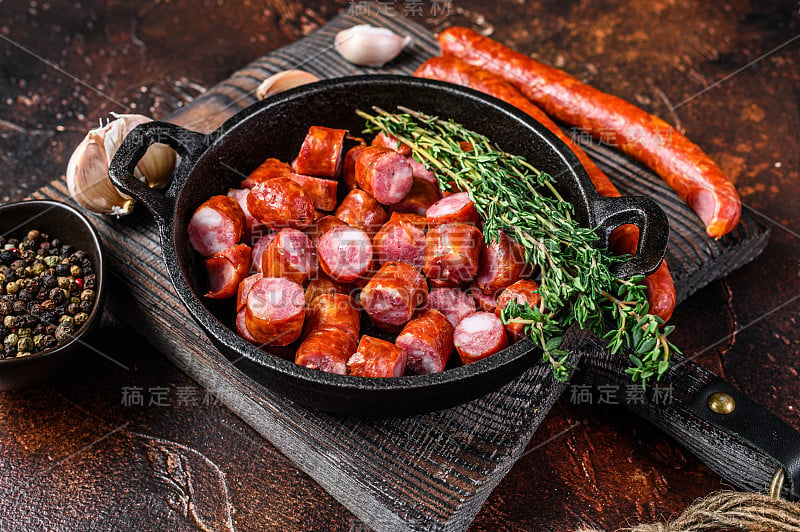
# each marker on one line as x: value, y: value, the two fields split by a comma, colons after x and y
x: 20, y: 306
x: 48, y: 318
x: 62, y: 270
x: 13, y: 242
x: 10, y: 351
x: 36, y: 310
x: 56, y: 295
x: 64, y: 332
x: 66, y: 250
x: 49, y: 341
x: 55, y: 243
x: 90, y: 281
x: 17, y: 264
x: 25, y: 295
x: 60, y: 310
x: 6, y: 307
x: 86, y: 306
x: 48, y: 305
x: 73, y: 308
x: 50, y: 281
x: 6, y: 256
x: 38, y: 329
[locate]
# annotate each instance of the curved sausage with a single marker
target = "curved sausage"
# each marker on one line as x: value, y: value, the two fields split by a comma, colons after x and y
x: 647, y: 138
x: 427, y: 341
x: 345, y: 254
x: 321, y: 152
x: 478, y: 336
x: 226, y: 270
x: 269, y: 169
x: 292, y: 255
x: 453, y: 208
x: 252, y: 227
x: 321, y: 191
x: 486, y: 302
x: 326, y: 349
x: 452, y: 252
x: 319, y: 285
x: 401, y: 239
x: 258, y: 250
x: 660, y: 287
x: 502, y: 264
x: 455, y: 304
x: 244, y: 289
x: 423, y: 194
x: 524, y: 291
x: 377, y: 358
x: 216, y: 225
x: 385, y: 140
x: 349, y: 166
x: 334, y: 310
x: 393, y: 294
x: 359, y: 209
x: 275, y: 310
x: 384, y: 174
x: 280, y: 203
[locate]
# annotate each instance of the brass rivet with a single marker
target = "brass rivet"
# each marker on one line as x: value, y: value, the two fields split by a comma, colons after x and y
x: 721, y: 403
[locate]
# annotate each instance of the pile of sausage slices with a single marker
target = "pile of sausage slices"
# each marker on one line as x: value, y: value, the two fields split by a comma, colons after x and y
x: 396, y: 248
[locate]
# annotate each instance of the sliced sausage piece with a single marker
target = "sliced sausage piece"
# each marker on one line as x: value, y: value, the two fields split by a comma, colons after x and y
x: 258, y: 250
x: 280, y: 203
x: 275, y: 310
x: 384, y: 174
x: 478, y: 336
x: 226, y: 270
x: 326, y: 349
x: 524, y: 291
x: 423, y: 194
x: 321, y: 284
x: 427, y: 341
x: 377, y: 358
x: 455, y: 304
x: 241, y: 327
x: 321, y: 191
x: 244, y: 290
x: 393, y: 294
x: 359, y: 209
x: 418, y: 170
x: 345, y: 254
x: 502, y: 264
x: 452, y: 252
x: 292, y: 255
x: 453, y: 208
x: 486, y: 302
x: 322, y: 226
x: 385, y: 140
x: 349, y: 166
x: 334, y: 310
x: 216, y: 225
x: 401, y: 239
x: 252, y: 227
x: 321, y: 152
x: 269, y: 169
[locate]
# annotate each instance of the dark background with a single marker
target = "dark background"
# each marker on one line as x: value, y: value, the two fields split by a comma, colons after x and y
x: 64, y: 446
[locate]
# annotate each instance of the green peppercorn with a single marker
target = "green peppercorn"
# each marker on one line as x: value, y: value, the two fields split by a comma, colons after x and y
x: 12, y: 287
x: 10, y: 321
x: 2, y: 278
x: 23, y: 354
x: 75, y: 299
x: 25, y: 344
x: 11, y: 339
x: 51, y: 261
x: 39, y: 268
x: 49, y: 341
x: 38, y: 341
x: 66, y: 318
x: 75, y: 271
x: 63, y: 282
x: 87, y: 295
x: 80, y: 318
x: 25, y: 331
x: 73, y: 287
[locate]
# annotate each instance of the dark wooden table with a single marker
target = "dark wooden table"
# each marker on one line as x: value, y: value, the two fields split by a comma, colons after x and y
x: 728, y: 74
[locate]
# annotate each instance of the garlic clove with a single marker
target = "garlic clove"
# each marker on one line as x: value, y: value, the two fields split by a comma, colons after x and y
x: 283, y: 81
x: 371, y: 46
x: 155, y: 167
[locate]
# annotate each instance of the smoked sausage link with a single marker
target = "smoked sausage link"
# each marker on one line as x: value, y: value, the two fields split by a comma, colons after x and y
x: 334, y: 310
x: 292, y: 255
x: 401, y: 239
x: 393, y: 294
x: 681, y: 163
x: 427, y: 341
x: 453, y: 208
x: 377, y: 358
x: 452, y: 252
x: 280, y: 203
x: 384, y: 174
x: 321, y: 152
x: 361, y: 210
x: 217, y: 224
x: 502, y: 264
x: 326, y: 349
x: 269, y: 169
x: 478, y: 336
x: 345, y: 254
x: 275, y: 310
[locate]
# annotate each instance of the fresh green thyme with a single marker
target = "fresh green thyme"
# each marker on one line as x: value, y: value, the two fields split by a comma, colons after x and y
x: 576, y: 280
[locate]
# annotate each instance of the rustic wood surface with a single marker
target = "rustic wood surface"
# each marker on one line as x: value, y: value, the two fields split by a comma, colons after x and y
x: 75, y: 430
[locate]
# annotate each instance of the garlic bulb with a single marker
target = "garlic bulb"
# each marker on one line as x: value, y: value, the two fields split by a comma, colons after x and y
x: 367, y: 45
x: 283, y: 81
x: 87, y: 170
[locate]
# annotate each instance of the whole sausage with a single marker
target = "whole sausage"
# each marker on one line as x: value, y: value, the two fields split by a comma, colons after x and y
x: 453, y: 208
x: 326, y: 349
x: 252, y: 226
x: 349, y: 166
x: 280, y: 203
x: 258, y: 250
x: 321, y: 191
x: 384, y: 174
x: 502, y: 263
x: 660, y: 287
x: 452, y: 252
x: 359, y: 209
x: 377, y: 358
x: 388, y: 141
x: 393, y: 294
x: 269, y: 169
x: 226, y: 270
x: 427, y: 341
x: 647, y: 138
x: 455, y: 304
x: 321, y: 152
x: 275, y: 310
x: 292, y: 255
x: 345, y: 254
x: 478, y: 336
x: 401, y: 239
x: 216, y: 225
x: 423, y: 194
x: 524, y: 291
x: 334, y: 310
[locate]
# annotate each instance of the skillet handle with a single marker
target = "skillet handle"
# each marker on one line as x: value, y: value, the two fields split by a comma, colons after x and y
x: 187, y: 143
x: 653, y: 225
x: 746, y: 446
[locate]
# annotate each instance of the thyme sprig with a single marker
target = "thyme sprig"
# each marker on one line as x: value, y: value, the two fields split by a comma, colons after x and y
x: 576, y: 283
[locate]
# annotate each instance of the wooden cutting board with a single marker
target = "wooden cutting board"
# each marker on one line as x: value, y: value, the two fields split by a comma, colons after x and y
x: 428, y: 472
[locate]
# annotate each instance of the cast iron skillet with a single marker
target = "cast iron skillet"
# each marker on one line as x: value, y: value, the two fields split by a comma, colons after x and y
x: 275, y: 127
